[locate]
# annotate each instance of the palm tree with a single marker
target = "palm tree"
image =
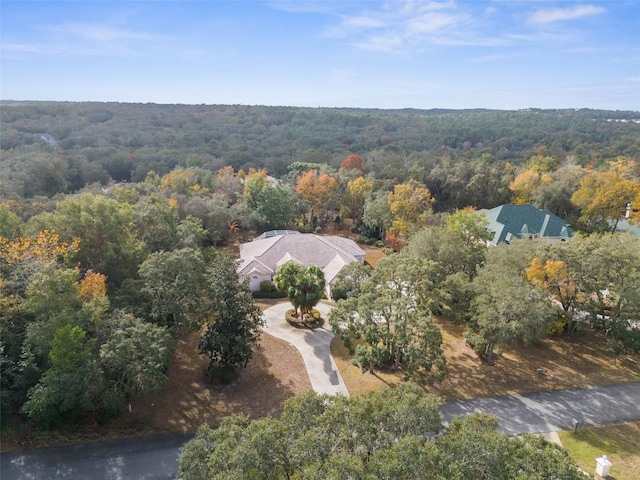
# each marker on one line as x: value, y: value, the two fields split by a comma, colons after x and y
x: 285, y: 279
x: 304, y: 287
x: 307, y: 291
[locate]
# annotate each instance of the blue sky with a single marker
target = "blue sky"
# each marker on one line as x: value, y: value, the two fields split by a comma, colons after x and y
x: 421, y: 54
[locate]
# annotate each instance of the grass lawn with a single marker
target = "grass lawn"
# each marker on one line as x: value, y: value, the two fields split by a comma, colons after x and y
x: 620, y: 443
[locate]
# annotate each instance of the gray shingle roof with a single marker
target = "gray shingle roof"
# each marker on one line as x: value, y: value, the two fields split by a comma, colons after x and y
x: 331, y: 252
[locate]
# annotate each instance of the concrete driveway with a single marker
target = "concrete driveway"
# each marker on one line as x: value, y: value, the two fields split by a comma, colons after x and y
x: 313, y: 345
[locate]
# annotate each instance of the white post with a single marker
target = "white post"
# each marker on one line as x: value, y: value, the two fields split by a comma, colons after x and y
x: 602, y: 466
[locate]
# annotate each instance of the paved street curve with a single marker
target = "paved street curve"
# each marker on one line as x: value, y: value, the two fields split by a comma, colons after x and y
x: 555, y: 410
x: 155, y: 458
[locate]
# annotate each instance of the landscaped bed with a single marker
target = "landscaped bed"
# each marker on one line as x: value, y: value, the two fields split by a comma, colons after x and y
x: 306, y: 320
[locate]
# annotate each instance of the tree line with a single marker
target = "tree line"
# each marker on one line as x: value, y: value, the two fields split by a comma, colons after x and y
x: 93, y: 302
x: 58, y: 147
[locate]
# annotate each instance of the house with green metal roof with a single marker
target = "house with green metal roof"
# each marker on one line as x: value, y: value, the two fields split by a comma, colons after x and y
x: 507, y: 222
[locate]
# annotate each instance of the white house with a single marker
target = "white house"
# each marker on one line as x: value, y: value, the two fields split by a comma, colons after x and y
x: 263, y: 256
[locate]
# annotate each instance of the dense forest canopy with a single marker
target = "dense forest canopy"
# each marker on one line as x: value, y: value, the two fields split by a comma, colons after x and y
x: 60, y: 147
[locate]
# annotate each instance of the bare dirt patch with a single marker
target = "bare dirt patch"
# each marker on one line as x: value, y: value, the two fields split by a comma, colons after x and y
x: 579, y: 361
x: 275, y: 373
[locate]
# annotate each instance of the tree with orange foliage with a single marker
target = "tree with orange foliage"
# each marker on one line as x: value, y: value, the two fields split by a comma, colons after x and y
x: 93, y: 285
x: 353, y: 161
x: 318, y: 191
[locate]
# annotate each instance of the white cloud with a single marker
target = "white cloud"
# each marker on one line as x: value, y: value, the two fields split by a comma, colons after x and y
x: 24, y: 48
x: 432, y: 22
x: 550, y: 15
x: 104, y: 40
x: 489, y: 58
x: 401, y: 27
x: 363, y: 21
x: 100, y: 33
x: 384, y: 42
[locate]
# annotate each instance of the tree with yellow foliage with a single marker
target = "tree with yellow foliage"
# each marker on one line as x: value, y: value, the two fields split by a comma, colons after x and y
x: 557, y: 278
x: 358, y: 191
x: 22, y: 257
x: 554, y: 276
x: 526, y: 184
x: 603, y: 198
x: 410, y: 205
x: 317, y: 191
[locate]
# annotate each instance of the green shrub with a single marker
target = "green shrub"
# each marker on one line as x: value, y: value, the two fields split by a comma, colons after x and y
x: 266, y: 286
x: 623, y: 337
x: 339, y: 291
x: 273, y: 294
x: 224, y: 375
x: 477, y: 342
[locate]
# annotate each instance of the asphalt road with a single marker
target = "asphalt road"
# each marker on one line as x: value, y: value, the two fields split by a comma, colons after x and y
x: 151, y: 458
x: 145, y: 458
x: 553, y: 411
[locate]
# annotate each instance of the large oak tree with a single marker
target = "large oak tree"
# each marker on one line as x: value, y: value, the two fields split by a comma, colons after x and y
x: 388, y: 320
x: 234, y: 328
